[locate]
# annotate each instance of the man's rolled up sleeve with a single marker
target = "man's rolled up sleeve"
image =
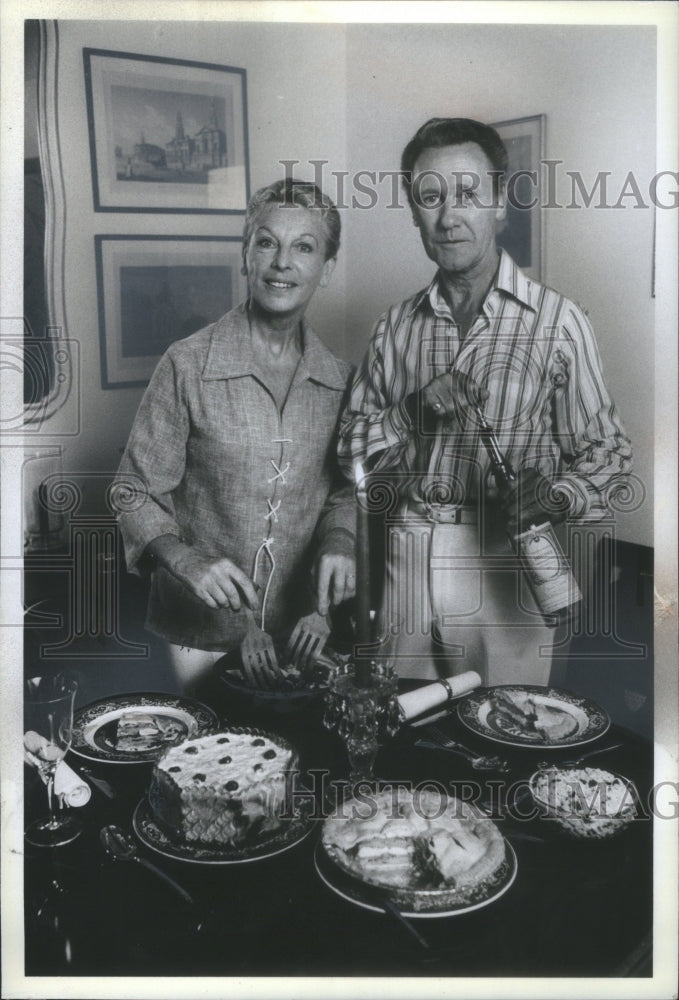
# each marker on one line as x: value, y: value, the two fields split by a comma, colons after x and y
x: 374, y: 430
x: 596, y: 449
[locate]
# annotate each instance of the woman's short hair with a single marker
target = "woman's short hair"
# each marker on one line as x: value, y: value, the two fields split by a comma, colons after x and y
x: 304, y: 194
x: 439, y: 132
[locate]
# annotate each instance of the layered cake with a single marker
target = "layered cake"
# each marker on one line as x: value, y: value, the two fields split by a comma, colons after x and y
x: 531, y: 716
x: 146, y: 731
x: 223, y: 788
x: 406, y: 839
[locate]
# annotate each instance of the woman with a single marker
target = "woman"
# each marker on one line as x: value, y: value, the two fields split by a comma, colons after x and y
x: 238, y: 501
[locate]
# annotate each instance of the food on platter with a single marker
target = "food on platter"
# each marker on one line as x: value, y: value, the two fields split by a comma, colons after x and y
x: 145, y: 730
x: 289, y: 680
x: 586, y: 801
x: 531, y: 716
x: 420, y: 839
x: 224, y: 788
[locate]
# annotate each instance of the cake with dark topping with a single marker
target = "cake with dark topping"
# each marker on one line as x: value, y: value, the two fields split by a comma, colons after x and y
x: 223, y: 788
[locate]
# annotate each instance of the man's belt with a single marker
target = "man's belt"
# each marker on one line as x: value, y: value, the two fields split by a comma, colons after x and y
x: 442, y: 513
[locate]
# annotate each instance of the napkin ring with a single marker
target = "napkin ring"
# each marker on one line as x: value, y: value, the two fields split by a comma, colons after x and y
x: 446, y: 684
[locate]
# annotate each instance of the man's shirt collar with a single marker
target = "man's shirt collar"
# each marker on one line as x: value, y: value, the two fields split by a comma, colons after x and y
x: 509, y: 280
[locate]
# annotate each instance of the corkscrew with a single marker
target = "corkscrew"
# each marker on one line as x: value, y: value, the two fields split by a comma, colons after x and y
x: 499, y: 463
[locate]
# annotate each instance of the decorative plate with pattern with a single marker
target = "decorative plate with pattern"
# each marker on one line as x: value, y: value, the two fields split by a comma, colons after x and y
x: 583, y: 720
x: 292, y: 832
x: 417, y: 903
x: 156, y: 721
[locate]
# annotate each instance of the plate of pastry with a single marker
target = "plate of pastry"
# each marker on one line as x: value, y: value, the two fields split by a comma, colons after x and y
x: 137, y: 728
x: 532, y: 716
x: 430, y: 854
x: 294, y: 690
x: 225, y: 797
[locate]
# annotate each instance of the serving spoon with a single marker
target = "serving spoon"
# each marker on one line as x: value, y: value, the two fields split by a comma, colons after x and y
x: 121, y: 847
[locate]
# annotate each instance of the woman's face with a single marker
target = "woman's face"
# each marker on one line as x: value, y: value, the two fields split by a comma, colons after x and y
x: 285, y: 258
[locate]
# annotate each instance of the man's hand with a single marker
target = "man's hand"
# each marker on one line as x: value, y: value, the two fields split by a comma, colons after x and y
x: 335, y: 577
x: 216, y: 581
x: 452, y: 393
x: 533, y: 499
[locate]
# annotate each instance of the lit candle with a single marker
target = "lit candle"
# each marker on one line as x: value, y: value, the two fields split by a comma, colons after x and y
x: 363, y: 632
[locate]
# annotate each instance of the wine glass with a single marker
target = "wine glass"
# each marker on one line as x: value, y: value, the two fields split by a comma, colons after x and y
x: 48, y: 729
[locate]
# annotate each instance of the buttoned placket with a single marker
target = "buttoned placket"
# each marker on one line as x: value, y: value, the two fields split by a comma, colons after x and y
x: 446, y: 331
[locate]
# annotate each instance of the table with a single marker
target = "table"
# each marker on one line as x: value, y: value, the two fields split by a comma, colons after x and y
x: 575, y: 909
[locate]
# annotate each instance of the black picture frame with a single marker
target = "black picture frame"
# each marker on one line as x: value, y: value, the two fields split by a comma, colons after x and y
x: 521, y: 234
x: 166, y: 135
x: 153, y: 290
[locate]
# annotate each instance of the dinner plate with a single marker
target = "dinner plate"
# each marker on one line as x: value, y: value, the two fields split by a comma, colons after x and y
x: 153, y: 835
x: 94, y: 726
x: 475, y: 711
x: 433, y: 902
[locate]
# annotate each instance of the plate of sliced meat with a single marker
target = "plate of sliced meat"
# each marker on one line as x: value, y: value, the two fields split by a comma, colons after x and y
x: 532, y: 716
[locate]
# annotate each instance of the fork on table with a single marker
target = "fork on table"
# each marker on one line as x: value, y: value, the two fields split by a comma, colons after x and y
x: 258, y: 655
x: 307, y: 640
x: 440, y: 739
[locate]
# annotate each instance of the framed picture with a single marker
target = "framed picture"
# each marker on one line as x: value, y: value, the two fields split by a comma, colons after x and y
x: 153, y: 290
x: 521, y: 234
x: 166, y: 135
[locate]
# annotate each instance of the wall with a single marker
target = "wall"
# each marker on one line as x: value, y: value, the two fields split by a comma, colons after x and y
x: 353, y: 95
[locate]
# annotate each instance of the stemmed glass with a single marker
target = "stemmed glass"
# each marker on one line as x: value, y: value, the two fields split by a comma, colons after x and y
x: 48, y: 730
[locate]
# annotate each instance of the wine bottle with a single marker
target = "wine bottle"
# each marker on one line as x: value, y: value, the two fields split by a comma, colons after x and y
x: 542, y: 559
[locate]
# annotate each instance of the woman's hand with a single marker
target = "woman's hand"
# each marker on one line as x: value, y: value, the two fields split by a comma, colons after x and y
x: 216, y: 581
x: 335, y: 580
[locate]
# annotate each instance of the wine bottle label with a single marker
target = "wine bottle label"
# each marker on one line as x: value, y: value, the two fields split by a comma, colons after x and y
x: 549, y: 574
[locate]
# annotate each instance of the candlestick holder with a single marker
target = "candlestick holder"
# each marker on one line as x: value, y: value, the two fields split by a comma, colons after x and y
x: 361, y: 705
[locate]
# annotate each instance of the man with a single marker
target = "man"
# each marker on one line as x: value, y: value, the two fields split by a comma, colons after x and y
x: 482, y: 335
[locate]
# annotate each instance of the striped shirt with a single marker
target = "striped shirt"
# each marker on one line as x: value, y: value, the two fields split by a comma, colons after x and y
x: 535, y: 353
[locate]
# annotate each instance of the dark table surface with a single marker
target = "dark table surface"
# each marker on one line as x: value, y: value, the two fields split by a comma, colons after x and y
x: 575, y: 908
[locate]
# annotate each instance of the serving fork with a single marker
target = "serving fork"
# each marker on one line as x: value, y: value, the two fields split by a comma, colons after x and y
x: 307, y: 640
x: 258, y: 655
x: 441, y: 741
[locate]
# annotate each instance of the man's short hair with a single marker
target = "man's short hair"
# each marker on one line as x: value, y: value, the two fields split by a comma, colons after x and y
x: 439, y: 132
x: 303, y: 194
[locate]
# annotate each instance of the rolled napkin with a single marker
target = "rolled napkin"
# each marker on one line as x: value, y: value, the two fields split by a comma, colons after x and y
x: 70, y: 786
x: 422, y: 699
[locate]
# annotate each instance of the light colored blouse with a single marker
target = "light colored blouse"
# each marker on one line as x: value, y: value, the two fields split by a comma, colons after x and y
x: 212, y: 460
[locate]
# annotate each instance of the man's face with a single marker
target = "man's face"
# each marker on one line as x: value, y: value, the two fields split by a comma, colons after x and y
x: 455, y: 208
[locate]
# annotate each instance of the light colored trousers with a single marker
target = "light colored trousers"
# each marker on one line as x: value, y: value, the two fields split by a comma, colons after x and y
x: 456, y: 601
